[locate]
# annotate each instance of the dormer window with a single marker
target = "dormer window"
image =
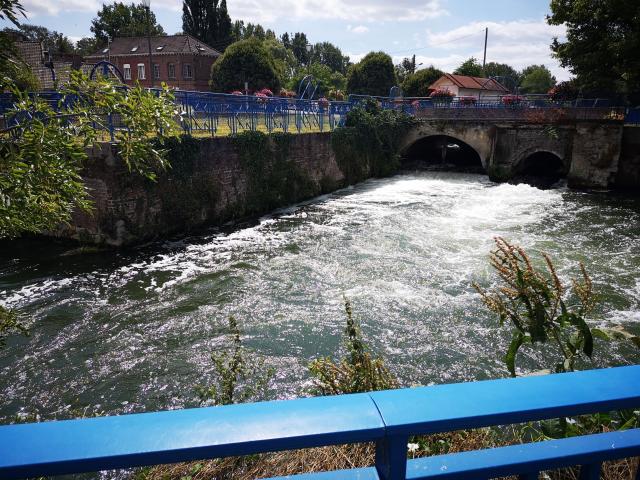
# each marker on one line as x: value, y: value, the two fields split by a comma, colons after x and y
x: 134, y: 49
x: 106, y: 50
x: 200, y: 48
x: 159, y: 49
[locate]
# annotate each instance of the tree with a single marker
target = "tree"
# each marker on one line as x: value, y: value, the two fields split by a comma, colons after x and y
x: 405, y: 68
x: 470, y: 68
x: 537, y: 79
x: 87, y: 46
x: 603, y: 44
x: 283, y: 58
x: 326, y: 53
x: 54, y: 41
x: 493, y: 69
x: 417, y: 85
x: 245, y: 61
x: 327, y: 79
x: 299, y: 47
x: 208, y: 22
x: 120, y: 20
x: 373, y: 75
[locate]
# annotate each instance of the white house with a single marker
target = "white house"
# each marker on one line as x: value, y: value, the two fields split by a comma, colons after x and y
x: 463, y: 86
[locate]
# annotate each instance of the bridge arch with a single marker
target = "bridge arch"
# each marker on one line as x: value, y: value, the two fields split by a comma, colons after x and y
x: 442, y: 152
x: 539, y: 167
x: 478, y: 137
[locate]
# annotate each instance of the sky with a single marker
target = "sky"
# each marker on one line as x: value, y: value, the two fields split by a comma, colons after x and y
x: 442, y: 33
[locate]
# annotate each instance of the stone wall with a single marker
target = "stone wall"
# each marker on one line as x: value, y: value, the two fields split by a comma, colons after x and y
x: 205, y: 187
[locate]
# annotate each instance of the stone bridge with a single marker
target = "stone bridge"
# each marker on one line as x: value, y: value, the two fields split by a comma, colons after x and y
x: 593, y: 154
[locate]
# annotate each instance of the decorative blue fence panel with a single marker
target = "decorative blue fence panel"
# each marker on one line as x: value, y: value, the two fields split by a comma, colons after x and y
x: 387, y: 418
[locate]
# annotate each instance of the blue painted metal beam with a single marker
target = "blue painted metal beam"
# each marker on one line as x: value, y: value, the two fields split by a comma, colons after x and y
x: 459, y: 406
x: 93, y: 444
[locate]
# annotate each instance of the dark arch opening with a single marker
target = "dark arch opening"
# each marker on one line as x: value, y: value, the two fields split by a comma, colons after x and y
x: 540, y: 169
x: 441, y: 152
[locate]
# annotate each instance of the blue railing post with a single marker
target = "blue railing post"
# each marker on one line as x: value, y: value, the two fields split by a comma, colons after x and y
x: 391, y: 457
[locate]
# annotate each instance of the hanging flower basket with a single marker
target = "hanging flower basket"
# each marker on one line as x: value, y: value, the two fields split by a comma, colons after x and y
x: 467, y: 100
x: 262, y: 98
x: 442, y: 96
x: 512, y: 100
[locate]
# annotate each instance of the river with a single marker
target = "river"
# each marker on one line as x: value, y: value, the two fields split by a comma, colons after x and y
x: 116, y: 332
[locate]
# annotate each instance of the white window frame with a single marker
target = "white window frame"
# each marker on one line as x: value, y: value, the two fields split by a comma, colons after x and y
x: 171, y: 66
x: 126, y: 71
x: 156, y: 71
x: 142, y: 75
x: 186, y: 66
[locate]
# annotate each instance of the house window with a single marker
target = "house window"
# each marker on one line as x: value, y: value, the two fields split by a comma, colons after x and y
x: 156, y: 71
x: 186, y: 70
x: 171, y: 70
x: 141, y: 75
x: 127, y: 71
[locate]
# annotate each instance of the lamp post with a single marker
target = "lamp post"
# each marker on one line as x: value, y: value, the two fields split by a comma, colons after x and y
x: 147, y: 5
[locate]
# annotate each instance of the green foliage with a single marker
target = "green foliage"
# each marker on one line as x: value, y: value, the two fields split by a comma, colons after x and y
x: 11, y: 10
x: 537, y: 304
x: 327, y: 79
x: 537, y: 79
x: 494, y: 69
x: 240, y: 375
x: 602, y: 46
x: 208, y: 22
x: 470, y: 67
x: 121, y: 20
x: 369, y: 143
x: 55, y: 42
x: 11, y: 66
x: 274, y: 179
x: 358, y: 371
x: 41, y: 158
x: 87, y: 45
x: 246, y: 60
x: 9, y: 325
x: 299, y: 44
x: 328, y: 54
x: 373, y: 75
x: 417, y: 84
x: 283, y: 58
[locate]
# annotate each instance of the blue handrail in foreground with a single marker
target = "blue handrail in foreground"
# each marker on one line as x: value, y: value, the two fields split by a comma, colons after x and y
x: 387, y: 418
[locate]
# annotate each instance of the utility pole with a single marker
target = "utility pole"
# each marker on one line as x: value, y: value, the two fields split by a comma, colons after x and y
x: 484, y: 59
x: 147, y: 5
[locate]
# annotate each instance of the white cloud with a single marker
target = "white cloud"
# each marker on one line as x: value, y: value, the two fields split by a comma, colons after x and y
x: 49, y: 7
x: 346, y: 10
x: 357, y: 29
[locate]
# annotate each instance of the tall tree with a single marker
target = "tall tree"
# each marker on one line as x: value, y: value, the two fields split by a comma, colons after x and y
x: 121, y: 20
x: 537, y: 79
x: 326, y: 53
x: 470, y: 68
x: 603, y: 43
x: 225, y: 35
x: 373, y: 75
x: 493, y: 69
x: 55, y: 42
x: 11, y: 65
x: 200, y: 19
x: 299, y: 46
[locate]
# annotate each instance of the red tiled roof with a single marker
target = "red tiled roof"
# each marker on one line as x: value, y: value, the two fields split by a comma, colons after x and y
x: 161, y: 45
x: 476, y: 83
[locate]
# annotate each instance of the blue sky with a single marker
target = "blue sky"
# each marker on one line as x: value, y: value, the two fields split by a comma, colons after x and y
x: 438, y: 32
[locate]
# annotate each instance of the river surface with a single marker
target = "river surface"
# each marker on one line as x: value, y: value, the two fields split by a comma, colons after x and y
x: 117, y: 332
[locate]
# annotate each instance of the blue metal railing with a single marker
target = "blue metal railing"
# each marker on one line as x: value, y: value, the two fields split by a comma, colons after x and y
x: 220, y: 113
x: 387, y: 418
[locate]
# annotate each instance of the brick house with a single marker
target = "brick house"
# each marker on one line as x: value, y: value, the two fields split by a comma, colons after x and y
x: 463, y: 86
x: 181, y: 61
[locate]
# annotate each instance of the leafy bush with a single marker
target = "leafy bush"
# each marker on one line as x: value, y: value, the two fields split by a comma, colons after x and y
x: 246, y: 60
x: 369, y: 143
x: 356, y: 372
x: 373, y: 75
x: 417, y: 84
x: 9, y: 325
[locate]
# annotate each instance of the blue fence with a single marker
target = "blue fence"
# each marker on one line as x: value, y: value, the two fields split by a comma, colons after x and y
x: 387, y: 418
x: 223, y: 114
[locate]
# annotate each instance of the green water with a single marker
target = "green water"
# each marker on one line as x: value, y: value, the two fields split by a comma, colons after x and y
x: 132, y: 331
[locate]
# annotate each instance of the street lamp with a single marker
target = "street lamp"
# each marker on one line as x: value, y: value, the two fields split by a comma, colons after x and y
x: 147, y: 4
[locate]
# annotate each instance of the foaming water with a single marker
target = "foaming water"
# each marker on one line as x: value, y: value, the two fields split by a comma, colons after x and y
x: 133, y: 331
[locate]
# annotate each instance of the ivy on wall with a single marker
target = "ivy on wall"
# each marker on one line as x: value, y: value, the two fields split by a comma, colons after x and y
x: 369, y: 143
x: 273, y: 178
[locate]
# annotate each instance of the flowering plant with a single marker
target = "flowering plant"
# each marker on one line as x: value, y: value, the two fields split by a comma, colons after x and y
x: 237, y: 92
x: 266, y: 92
x: 287, y: 93
x: 323, y: 102
x: 511, y: 100
x: 442, y: 94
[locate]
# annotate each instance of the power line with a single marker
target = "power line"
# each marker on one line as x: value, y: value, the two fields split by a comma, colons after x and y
x: 438, y: 44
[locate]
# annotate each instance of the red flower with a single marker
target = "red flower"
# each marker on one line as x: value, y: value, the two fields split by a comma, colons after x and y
x: 237, y: 92
x: 266, y: 92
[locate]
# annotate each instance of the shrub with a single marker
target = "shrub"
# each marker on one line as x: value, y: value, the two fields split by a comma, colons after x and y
x: 246, y: 60
x: 373, y: 75
x: 417, y: 84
